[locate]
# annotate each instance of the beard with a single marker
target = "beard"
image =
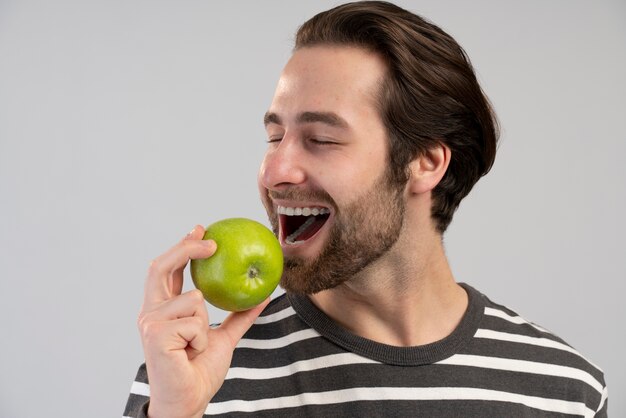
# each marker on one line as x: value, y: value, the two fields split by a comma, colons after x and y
x: 361, y: 233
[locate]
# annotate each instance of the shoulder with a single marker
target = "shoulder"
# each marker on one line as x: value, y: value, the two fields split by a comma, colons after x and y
x: 508, y: 341
x: 500, y: 323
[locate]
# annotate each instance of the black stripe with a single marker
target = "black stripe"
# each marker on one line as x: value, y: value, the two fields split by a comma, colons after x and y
x: 137, y: 406
x: 276, y: 329
x: 602, y: 413
x: 298, y: 351
x: 491, y: 304
x: 142, y: 374
x: 275, y: 305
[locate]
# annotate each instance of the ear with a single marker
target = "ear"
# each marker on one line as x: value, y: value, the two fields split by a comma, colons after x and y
x: 428, y: 169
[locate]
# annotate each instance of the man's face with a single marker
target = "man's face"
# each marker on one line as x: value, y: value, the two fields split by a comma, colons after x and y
x: 324, y: 179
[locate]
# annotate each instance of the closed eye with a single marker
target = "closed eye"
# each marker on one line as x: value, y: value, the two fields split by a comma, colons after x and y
x: 318, y: 141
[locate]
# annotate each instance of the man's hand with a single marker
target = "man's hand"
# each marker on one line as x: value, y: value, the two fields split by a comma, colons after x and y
x: 186, y: 360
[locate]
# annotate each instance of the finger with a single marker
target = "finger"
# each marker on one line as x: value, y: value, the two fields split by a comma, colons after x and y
x: 160, y: 284
x: 237, y: 323
x: 190, y: 334
x: 188, y: 304
x: 197, y: 233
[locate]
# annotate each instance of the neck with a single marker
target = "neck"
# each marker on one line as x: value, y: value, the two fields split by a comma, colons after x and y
x: 406, y: 298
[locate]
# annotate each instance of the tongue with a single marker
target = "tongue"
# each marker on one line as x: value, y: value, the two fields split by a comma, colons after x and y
x: 307, y: 229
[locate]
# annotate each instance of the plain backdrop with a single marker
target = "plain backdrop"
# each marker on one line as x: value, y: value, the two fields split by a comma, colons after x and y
x: 124, y: 123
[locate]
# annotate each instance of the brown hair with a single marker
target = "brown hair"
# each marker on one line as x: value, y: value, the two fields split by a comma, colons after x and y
x: 429, y: 96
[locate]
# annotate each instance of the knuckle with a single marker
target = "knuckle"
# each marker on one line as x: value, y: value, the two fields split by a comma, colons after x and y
x: 145, y: 324
x: 150, y: 331
x: 142, y: 317
x: 196, y: 296
x: 155, y: 267
x: 197, y: 322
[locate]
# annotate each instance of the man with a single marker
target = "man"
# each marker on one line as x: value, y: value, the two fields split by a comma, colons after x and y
x: 377, y: 130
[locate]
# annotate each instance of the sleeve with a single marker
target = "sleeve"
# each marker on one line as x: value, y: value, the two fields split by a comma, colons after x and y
x: 139, y: 398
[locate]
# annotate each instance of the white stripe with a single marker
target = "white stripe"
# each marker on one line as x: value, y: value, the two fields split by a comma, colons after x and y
x: 523, y: 366
x: 398, y: 393
x: 605, y: 395
x: 524, y: 339
x: 332, y: 360
x: 139, y: 388
x: 520, y: 321
x: 278, y: 342
x: 277, y: 316
x: 514, y: 319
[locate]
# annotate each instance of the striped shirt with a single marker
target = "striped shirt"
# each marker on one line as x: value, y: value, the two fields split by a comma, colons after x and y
x: 295, y: 361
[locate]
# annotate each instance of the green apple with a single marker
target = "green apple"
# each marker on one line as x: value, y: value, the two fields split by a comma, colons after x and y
x: 245, y: 268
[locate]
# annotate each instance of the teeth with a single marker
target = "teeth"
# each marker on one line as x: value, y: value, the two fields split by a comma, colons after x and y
x: 306, y: 211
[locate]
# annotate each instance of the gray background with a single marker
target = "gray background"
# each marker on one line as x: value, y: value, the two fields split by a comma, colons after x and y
x: 124, y: 123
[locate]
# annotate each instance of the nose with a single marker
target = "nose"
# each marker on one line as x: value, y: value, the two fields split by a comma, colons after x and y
x: 283, y: 165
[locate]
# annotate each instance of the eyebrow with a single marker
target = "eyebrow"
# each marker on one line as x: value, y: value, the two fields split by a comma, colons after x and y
x: 328, y: 118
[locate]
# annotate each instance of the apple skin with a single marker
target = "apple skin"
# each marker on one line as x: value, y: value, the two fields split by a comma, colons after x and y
x: 244, y: 270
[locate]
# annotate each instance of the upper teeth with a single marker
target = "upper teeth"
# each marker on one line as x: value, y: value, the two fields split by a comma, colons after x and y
x: 307, y: 211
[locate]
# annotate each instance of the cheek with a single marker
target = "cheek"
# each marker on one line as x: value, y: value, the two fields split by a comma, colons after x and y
x: 363, y: 174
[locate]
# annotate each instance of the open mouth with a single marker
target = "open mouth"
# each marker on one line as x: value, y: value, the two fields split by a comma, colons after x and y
x: 298, y: 224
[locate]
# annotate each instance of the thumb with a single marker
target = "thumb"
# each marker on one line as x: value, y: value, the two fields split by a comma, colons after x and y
x: 237, y: 323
